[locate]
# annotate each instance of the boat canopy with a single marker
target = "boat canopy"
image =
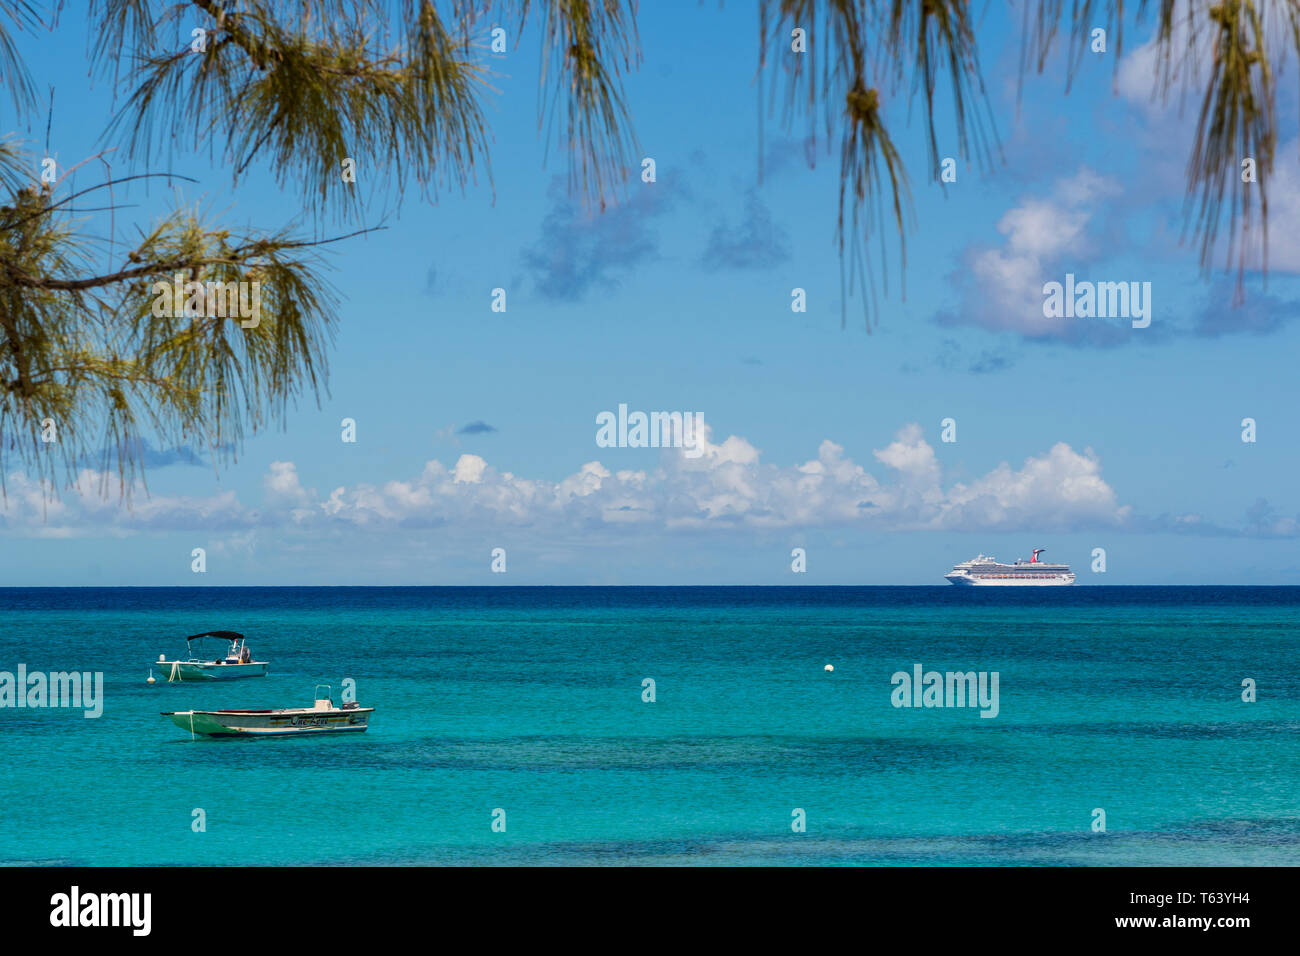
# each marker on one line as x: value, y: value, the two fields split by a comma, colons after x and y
x: 224, y: 635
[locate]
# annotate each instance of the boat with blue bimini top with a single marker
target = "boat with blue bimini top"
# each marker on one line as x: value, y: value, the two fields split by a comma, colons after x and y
x: 320, y: 718
x: 236, y: 662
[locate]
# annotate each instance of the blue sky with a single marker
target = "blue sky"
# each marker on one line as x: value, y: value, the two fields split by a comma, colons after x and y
x: 477, y: 429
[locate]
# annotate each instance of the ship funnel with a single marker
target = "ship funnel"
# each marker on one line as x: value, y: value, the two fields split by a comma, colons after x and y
x: 1037, y: 552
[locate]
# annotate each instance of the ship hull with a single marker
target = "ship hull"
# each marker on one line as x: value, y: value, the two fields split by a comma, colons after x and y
x: 967, y: 581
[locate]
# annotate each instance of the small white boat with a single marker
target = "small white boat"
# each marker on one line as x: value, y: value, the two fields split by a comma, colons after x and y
x: 235, y: 663
x: 321, y: 718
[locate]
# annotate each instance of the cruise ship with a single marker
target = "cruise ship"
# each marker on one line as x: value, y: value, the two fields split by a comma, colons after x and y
x: 985, y: 571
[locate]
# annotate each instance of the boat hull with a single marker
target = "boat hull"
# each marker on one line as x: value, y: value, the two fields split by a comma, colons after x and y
x: 175, y: 671
x: 964, y: 580
x: 272, y: 723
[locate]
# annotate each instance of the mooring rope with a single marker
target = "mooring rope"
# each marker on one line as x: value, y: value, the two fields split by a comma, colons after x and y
x: 191, y: 725
x: 175, y: 675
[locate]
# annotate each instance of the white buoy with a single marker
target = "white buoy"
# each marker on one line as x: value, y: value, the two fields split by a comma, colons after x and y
x: 152, y: 679
x: 829, y: 668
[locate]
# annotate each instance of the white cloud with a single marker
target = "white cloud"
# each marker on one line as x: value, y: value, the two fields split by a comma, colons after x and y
x: 470, y: 468
x: 1191, y: 44
x: 1141, y: 69
x: 727, y: 486
x: 284, y: 490
x: 1169, y: 121
x: 1283, y: 211
x: 1045, y: 236
x: 1056, y: 490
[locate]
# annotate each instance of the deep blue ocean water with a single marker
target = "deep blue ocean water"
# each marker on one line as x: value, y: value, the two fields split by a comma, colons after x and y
x: 1125, y: 699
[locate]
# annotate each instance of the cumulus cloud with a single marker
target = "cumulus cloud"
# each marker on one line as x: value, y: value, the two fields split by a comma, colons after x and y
x: 1044, y: 238
x: 1141, y: 71
x: 727, y: 486
x: 1168, y: 121
x: 1283, y: 212
x: 469, y: 469
x: 94, y: 502
x: 284, y: 492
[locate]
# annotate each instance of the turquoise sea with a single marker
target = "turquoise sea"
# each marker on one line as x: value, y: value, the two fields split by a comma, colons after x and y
x: 529, y: 700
